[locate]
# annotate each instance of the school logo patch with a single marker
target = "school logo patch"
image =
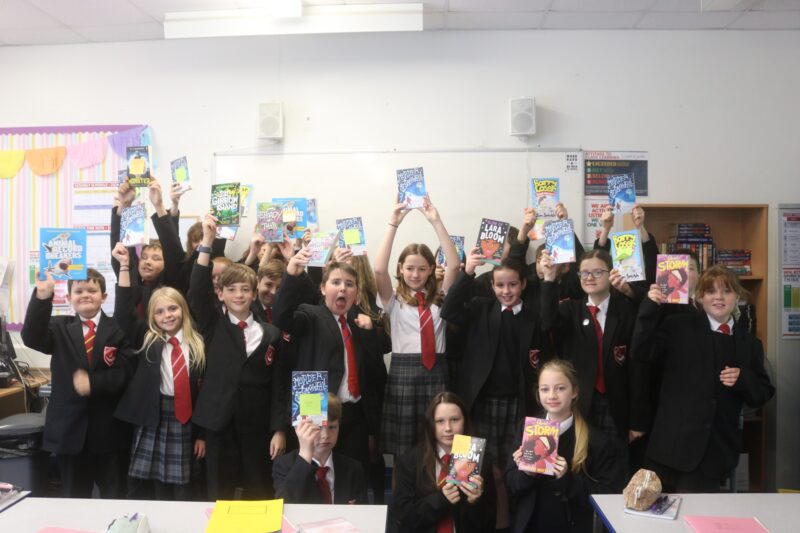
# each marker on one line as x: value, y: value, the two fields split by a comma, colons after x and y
x: 269, y: 357
x: 619, y: 354
x: 286, y: 337
x: 533, y: 358
x: 109, y: 355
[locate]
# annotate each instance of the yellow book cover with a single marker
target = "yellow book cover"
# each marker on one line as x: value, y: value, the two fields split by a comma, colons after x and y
x: 258, y: 516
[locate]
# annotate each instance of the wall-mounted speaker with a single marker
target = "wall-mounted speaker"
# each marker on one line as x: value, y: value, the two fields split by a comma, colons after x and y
x: 270, y: 121
x: 522, y: 116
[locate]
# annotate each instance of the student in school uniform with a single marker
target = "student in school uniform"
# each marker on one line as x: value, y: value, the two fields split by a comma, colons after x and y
x: 423, y: 501
x: 242, y: 403
x: 505, y: 345
x: 269, y: 277
x: 326, y: 337
x: 159, y: 400
x: 418, y: 368
x: 585, y: 464
x: 89, y: 366
x: 318, y: 472
x: 710, y: 368
x: 594, y: 333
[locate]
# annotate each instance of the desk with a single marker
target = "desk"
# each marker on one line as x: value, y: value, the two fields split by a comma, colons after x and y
x: 12, y: 399
x: 32, y: 514
x: 780, y: 513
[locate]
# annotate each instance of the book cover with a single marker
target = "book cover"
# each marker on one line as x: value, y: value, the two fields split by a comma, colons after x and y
x: 270, y: 221
x: 724, y: 524
x: 246, y: 516
x: 295, y: 213
x: 313, y: 215
x: 225, y: 200
x: 122, y: 176
x: 131, y: 226
x: 544, y: 196
x: 245, y: 199
x: 321, y: 246
x: 466, y: 458
x: 621, y: 193
x: 559, y: 236
x: 226, y: 232
x: 672, y: 276
x: 539, y: 445
x: 666, y: 507
x: 411, y: 187
x: 180, y: 173
x: 138, y: 166
x: 626, y: 253
x: 458, y: 242
x: 310, y: 396
x: 352, y: 235
x: 62, y: 253
x: 491, y: 238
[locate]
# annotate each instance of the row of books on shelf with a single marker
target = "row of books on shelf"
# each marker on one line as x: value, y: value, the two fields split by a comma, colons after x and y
x: 737, y: 260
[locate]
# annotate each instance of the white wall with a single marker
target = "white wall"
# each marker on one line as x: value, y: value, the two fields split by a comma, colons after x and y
x: 717, y: 111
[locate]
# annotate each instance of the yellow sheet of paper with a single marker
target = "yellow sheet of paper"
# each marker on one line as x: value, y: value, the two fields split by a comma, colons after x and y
x: 137, y: 166
x: 461, y: 444
x: 352, y: 236
x: 310, y: 404
x: 258, y: 516
x: 180, y: 174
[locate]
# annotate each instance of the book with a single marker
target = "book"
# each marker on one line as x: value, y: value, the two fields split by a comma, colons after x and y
x: 313, y: 215
x: 10, y: 494
x: 226, y: 232
x: 138, y: 166
x: 539, y: 445
x: 666, y: 507
x: 411, y: 187
x: 270, y: 221
x: 672, y: 276
x: 466, y: 458
x: 131, y: 226
x: 225, y: 201
x: 295, y: 214
x: 626, y: 254
x: 321, y: 246
x: 559, y: 236
x: 122, y: 176
x: 544, y: 196
x: 245, y: 199
x: 62, y: 253
x: 330, y: 525
x: 724, y: 524
x: 310, y: 396
x: 621, y: 193
x: 491, y: 237
x: 352, y: 234
x: 179, y: 169
x: 458, y: 242
x: 246, y: 516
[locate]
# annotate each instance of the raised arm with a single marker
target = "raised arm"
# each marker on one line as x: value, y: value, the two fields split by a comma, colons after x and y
x: 607, y: 221
x: 450, y: 253
x: 382, y: 275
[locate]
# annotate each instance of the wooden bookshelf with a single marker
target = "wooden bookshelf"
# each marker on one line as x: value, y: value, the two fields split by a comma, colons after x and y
x: 732, y: 226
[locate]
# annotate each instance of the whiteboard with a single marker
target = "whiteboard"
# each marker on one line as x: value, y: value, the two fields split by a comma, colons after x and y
x: 465, y: 186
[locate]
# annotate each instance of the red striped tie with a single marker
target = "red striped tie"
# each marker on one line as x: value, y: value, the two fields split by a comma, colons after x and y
x: 445, y: 523
x: 88, y: 340
x: 180, y: 381
x: 427, y: 336
x: 352, y: 366
x: 322, y: 482
x: 599, y: 380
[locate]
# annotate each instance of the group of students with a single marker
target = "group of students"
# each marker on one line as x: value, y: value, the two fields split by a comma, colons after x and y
x: 196, y: 363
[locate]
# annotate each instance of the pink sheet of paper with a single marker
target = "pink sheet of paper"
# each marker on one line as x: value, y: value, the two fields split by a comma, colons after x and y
x: 61, y: 530
x: 726, y: 524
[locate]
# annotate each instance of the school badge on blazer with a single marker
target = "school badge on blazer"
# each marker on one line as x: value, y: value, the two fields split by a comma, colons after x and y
x: 533, y: 358
x: 269, y: 357
x: 619, y: 354
x: 109, y: 355
x: 286, y: 336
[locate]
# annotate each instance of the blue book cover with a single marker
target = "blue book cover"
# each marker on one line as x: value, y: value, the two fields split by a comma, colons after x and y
x: 131, y: 227
x: 313, y: 216
x: 138, y: 166
x: 62, y: 253
x: 270, y: 221
x: 626, y: 253
x: 180, y: 173
x: 559, y: 237
x: 352, y: 235
x: 491, y: 239
x: 310, y: 396
x: 544, y: 196
x: 458, y: 242
x: 295, y: 213
x: 411, y: 187
x: 621, y: 193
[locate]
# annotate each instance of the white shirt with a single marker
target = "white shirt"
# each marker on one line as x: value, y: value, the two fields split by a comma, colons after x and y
x: 344, y: 392
x: 253, y: 333
x: 167, y: 387
x: 602, y: 312
x: 404, y: 319
x: 95, y: 319
x: 330, y: 476
x: 564, y: 425
x: 516, y: 309
x: 715, y: 325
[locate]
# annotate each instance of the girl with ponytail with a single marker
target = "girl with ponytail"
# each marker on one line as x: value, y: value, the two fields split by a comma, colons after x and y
x: 585, y: 464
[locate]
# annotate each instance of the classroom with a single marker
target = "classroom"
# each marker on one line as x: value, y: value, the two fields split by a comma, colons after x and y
x: 704, y: 90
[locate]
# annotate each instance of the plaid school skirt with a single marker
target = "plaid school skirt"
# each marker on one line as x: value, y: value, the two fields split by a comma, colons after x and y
x: 495, y: 419
x: 164, y: 452
x: 409, y: 389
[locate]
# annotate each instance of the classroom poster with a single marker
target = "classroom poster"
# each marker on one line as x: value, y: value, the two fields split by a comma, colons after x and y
x: 599, y: 165
x: 790, y: 247
x: 593, y: 211
x: 790, y: 315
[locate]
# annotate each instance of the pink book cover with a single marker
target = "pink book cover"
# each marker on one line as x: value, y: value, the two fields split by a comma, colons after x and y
x: 539, y: 446
x: 724, y: 524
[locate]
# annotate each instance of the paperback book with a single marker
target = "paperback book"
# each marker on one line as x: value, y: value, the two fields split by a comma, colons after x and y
x: 180, y: 173
x: 458, y: 242
x: 226, y: 232
x: 539, y: 446
x: 295, y: 214
x: 411, y: 187
x: 62, y: 253
x: 321, y: 247
x: 626, y: 253
x: 270, y: 221
x: 225, y: 201
x: 313, y: 215
x: 138, y: 166
x: 245, y: 199
x: 352, y: 234
x: 544, y: 196
x: 491, y: 238
x: 672, y: 276
x: 621, y: 193
x: 131, y: 226
x: 466, y: 458
x: 310, y: 397
x: 559, y: 236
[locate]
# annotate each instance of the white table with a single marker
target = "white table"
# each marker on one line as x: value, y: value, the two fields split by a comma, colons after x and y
x: 780, y: 513
x: 32, y: 514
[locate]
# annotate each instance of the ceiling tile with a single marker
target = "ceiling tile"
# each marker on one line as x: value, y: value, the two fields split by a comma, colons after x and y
x: 157, y: 8
x: 487, y: 6
x: 768, y: 20
x: 433, y: 20
x: 777, y: 5
x: 583, y: 6
x: 677, y: 5
x: 148, y: 31
x: 41, y: 36
x: 93, y: 13
x: 590, y: 21
x: 687, y: 21
x: 494, y: 21
x: 22, y: 15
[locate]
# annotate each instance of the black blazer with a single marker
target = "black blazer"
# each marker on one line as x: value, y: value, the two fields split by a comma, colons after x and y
x: 544, y: 503
x: 480, y: 318
x: 249, y: 391
x: 74, y: 423
x: 319, y: 344
x: 296, y: 480
x: 691, y: 393
x: 626, y: 381
x: 418, y: 509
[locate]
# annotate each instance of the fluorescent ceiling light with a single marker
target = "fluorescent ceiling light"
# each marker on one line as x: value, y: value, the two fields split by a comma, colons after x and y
x: 351, y: 18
